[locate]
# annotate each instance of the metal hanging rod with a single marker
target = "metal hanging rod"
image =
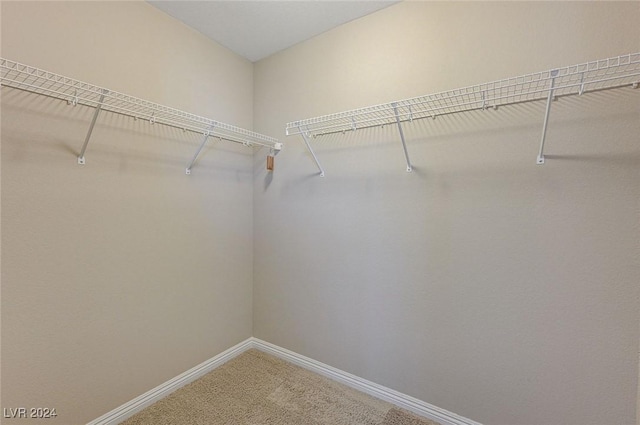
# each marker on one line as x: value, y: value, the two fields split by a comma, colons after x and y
x: 35, y: 80
x: 620, y: 71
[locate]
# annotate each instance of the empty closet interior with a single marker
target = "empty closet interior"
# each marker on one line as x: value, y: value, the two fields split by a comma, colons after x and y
x: 441, y: 198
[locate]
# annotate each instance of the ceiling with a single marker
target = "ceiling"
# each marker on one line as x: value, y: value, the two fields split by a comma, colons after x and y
x: 257, y: 29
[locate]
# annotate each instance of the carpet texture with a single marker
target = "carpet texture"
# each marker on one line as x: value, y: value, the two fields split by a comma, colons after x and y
x: 256, y: 388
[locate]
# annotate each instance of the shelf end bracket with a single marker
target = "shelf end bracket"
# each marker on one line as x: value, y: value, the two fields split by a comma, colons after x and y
x: 305, y: 137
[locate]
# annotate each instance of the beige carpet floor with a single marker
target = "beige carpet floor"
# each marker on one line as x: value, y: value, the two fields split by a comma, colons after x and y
x: 256, y: 388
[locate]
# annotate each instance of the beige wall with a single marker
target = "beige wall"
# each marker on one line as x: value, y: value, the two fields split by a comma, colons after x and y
x: 481, y: 283
x: 125, y: 272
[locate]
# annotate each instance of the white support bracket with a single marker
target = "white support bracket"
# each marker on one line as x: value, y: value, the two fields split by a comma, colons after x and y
x: 275, y: 150
x: 305, y: 136
x: 277, y: 147
x: 93, y: 123
x: 553, y: 74
x: 204, y: 141
x: 404, y: 145
x: 74, y: 100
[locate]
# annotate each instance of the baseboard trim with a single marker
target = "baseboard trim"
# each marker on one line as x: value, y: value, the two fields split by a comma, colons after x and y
x: 130, y: 408
x: 412, y: 404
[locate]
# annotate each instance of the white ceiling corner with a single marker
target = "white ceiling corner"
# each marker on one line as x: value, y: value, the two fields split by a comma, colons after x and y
x: 257, y: 29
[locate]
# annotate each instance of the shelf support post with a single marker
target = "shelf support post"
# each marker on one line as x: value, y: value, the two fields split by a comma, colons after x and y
x: 93, y: 123
x: 404, y: 145
x: 305, y: 137
x: 204, y: 141
x: 540, y: 160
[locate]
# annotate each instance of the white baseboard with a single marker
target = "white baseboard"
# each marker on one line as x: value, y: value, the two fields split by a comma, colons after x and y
x: 119, y: 414
x: 412, y: 404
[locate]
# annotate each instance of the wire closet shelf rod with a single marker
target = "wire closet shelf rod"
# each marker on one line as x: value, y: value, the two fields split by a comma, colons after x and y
x: 35, y: 80
x: 571, y: 80
x: 615, y: 72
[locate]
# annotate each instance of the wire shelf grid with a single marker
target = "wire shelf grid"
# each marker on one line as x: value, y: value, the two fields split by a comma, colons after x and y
x: 35, y: 80
x: 571, y: 80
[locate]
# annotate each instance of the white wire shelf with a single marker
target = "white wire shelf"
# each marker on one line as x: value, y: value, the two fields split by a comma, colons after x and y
x: 578, y: 79
x: 35, y: 80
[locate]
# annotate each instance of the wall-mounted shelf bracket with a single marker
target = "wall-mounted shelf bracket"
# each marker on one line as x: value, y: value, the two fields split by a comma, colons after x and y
x: 195, y: 155
x: 73, y: 101
x: 93, y: 123
x: 553, y: 74
x: 305, y: 137
x: 404, y: 144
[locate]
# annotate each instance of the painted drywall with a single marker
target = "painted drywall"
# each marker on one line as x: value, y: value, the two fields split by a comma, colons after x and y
x: 482, y: 283
x: 125, y: 272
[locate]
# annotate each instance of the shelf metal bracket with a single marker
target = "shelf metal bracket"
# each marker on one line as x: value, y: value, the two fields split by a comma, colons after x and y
x: 305, y: 137
x: 93, y: 123
x: 554, y: 74
x: 204, y: 141
x: 404, y: 144
x: 74, y: 100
